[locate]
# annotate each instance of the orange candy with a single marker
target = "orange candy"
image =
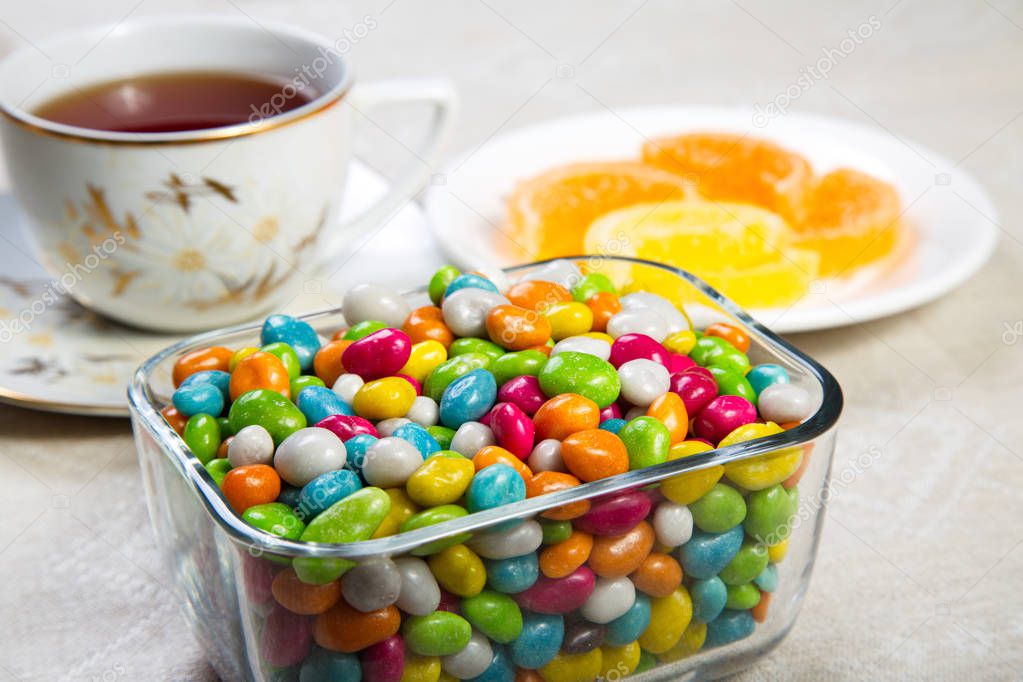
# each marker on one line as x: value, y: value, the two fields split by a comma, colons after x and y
x: 759, y: 612
x: 564, y: 414
x: 729, y: 333
x: 552, y: 481
x: 526, y: 675
x: 249, y: 485
x: 537, y: 296
x: 222, y: 448
x: 215, y: 357
x: 563, y: 558
x: 260, y: 370
x: 299, y: 597
x: 427, y: 323
x: 604, y: 305
x: 670, y: 410
x: 595, y: 453
x: 515, y: 328
x: 659, y: 575
x: 344, y: 629
x: 614, y: 556
x: 493, y: 454
x: 176, y: 420
x: 327, y: 361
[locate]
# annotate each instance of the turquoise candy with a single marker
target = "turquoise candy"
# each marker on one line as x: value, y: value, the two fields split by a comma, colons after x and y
x: 630, y: 625
x: 501, y: 668
x: 520, y: 363
x: 707, y: 553
x: 591, y: 285
x: 647, y: 441
x: 495, y: 486
x: 582, y: 373
x: 540, y: 640
x: 354, y: 518
x: 770, y: 513
x: 319, y: 402
x: 302, y: 338
x: 202, y: 436
x: 730, y: 626
x: 216, y: 377
x: 442, y: 435
x: 709, y: 597
x: 217, y: 469
x: 330, y: 666
x: 468, y: 398
x: 449, y: 370
x: 470, y: 344
x: 614, y: 425
x: 275, y: 518
x: 325, y: 490
x: 198, y: 399
x: 440, y: 633
x: 440, y: 281
x: 287, y: 355
x: 768, y: 578
x: 732, y: 383
x: 494, y: 614
x: 356, y: 448
x: 363, y: 329
x: 762, y: 376
x: 269, y: 409
x: 513, y: 575
x: 418, y: 436
x: 470, y: 281
x: 720, y: 509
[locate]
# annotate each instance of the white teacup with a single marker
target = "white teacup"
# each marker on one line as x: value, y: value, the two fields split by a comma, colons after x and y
x: 184, y: 231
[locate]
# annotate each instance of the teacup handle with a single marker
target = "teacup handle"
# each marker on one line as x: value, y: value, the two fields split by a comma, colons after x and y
x: 414, y: 176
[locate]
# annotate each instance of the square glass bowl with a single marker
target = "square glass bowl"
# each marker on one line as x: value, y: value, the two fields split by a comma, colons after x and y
x: 223, y: 568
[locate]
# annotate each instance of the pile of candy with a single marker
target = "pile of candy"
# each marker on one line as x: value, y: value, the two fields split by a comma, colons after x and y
x: 495, y: 394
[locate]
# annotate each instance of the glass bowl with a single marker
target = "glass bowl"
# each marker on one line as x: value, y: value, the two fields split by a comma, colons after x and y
x: 222, y: 567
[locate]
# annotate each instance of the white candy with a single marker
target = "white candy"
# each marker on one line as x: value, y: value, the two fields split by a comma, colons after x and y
x: 643, y: 381
x: 374, y: 302
x: 471, y: 661
x: 346, y: 386
x: 372, y: 585
x: 583, y: 344
x: 424, y: 411
x: 471, y: 437
x: 642, y: 321
x: 546, y: 456
x: 611, y: 598
x: 390, y: 461
x: 781, y: 403
x: 307, y: 453
x: 673, y: 524
x: 387, y: 427
x: 634, y: 412
x: 252, y: 445
x: 505, y: 544
x: 420, y: 593
x: 563, y: 272
x: 642, y: 300
x: 465, y: 311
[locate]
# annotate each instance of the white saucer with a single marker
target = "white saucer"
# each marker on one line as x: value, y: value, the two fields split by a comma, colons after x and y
x: 71, y: 360
x: 955, y: 219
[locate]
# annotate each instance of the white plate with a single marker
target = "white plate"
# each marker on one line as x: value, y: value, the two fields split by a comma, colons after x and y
x: 953, y: 216
x: 71, y: 360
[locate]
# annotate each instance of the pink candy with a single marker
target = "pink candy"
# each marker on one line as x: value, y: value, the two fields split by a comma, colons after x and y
x: 524, y: 391
x: 377, y: 355
x: 616, y: 514
x: 696, y: 388
x: 558, y: 595
x: 287, y: 637
x: 612, y: 411
x: 723, y: 415
x: 415, y: 384
x: 384, y: 661
x: 680, y: 363
x: 513, y: 429
x: 635, y: 346
x: 344, y: 426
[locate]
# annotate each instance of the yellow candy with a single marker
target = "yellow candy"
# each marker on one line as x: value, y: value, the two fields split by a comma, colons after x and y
x: 619, y: 661
x: 573, y: 667
x: 680, y: 342
x: 440, y: 480
x: 669, y: 618
x: 569, y: 318
x: 687, y: 488
x: 384, y: 398
x: 777, y: 552
x: 447, y: 677
x: 766, y: 470
x: 600, y: 336
x: 691, y: 642
x: 240, y: 355
x: 459, y: 570
x: 422, y: 359
x: 421, y: 669
x: 402, y: 507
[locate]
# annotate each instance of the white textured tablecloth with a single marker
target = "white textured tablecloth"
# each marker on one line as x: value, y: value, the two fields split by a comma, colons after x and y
x: 920, y: 572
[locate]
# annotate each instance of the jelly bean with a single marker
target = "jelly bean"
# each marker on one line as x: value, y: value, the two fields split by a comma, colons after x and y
x: 709, y: 597
x: 299, y: 384
x: 175, y: 419
x: 537, y: 295
x: 465, y: 311
x: 742, y: 597
x: 424, y: 357
x: 459, y: 570
x: 384, y: 398
x: 643, y: 380
x: 521, y: 363
x: 390, y: 461
x: 581, y: 636
x: 260, y: 371
x: 670, y: 410
x: 604, y: 305
x: 673, y: 524
x: 658, y: 576
x: 669, y: 617
x: 439, y: 282
x: 345, y: 629
x: 371, y: 585
x: 378, y: 355
x: 610, y: 599
x: 374, y: 302
x: 747, y: 564
x: 591, y: 285
x: 217, y: 469
x: 681, y: 342
x: 513, y: 430
x: 494, y: 614
x: 687, y: 488
x: 442, y: 434
x: 696, y: 389
x: 387, y: 427
x: 690, y: 643
x: 212, y: 358
x: 318, y: 402
x: 418, y: 436
x: 198, y: 399
x: 641, y: 300
x: 275, y: 518
x: 384, y: 661
x: 647, y: 441
x: 440, y: 480
x: 721, y: 509
x: 327, y: 361
x: 523, y: 392
x: 619, y: 661
x: 468, y: 398
x: 492, y: 454
x: 558, y: 595
x: 427, y: 324
x: 250, y: 485
x: 495, y: 486
x: 539, y: 641
x: 593, y: 454
x: 565, y: 414
x: 566, y: 667
x: 767, y: 580
x: 679, y: 363
x: 287, y: 355
x: 437, y: 634
x: 296, y: 333
x: 707, y: 553
x: 568, y: 318
x: 614, y: 426
x: 722, y: 416
x: 505, y: 543
x: 433, y: 516
x: 615, y: 514
x: 202, y: 436
x: 330, y: 666
x: 630, y: 347
x: 471, y: 437
x: 450, y: 370
x: 638, y: 321
x: 731, y: 333
x: 565, y: 557
x: 285, y: 639
x: 472, y: 660
x: 269, y: 409
x: 618, y: 555
x: 515, y: 328
x: 363, y: 329
x: 582, y: 374
x: 783, y: 403
x: 729, y: 627
x: 763, y: 471
x: 346, y: 427
x: 762, y: 376
x: 546, y: 456
x: 352, y: 519
x: 778, y: 551
x: 501, y: 668
x: 582, y: 344
x: 556, y: 531
x: 732, y: 382
x: 770, y: 514
x: 514, y: 574
x: 420, y: 668
x: 298, y: 597
x: 307, y: 453
x: 346, y: 386
x: 546, y: 482
x: 630, y: 625
x: 419, y: 594
x: 289, y: 496
x: 469, y: 281
x: 218, y: 378
x: 425, y: 412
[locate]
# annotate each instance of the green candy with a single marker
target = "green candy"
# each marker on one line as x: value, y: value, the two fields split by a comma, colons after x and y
x: 708, y: 348
x: 352, y: 519
x: 494, y: 614
x: 364, y: 328
x: 431, y: 517
x: 275, y: 518
x: 271, y: 410
x: 742, y: 597
x: 769, y: 513
x: 217, y: 469
x: 582, y: 373
x: 287, y: 356
x: 555, y: 531
x: 732, y: 383
x: 440, y: 281
x: 647, y: 441
x: 470, y: 344
x: 747, y: 564
x: 305, y: 381
x: 721, y: 508
x: 734, y: 361
x: 520, y: 363
x: 442, y: 435
x: 440, y: 633
x: 202, y: 436
x: 449, y: 370
x: 591, y: 285
x: 647, y: 661
x: 225, y: 427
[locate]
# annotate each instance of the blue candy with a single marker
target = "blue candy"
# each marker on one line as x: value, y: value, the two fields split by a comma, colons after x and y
x: 630, y: 625
x: 729, y: 627
x: 356, y: 447
x: 468, y: 281
x: 614, y: 425
x: 768, y: 578
x: 330, y: 666
x: 762, y: 376
x: 513, y: 575
x: 709, y: 597
x: 326, y: 489
x: 539, y: 641
x: 706, y: 554
x: 216, y: 377
x: 418, y: 436
x: 494, y: 486
x: 199, y: 398
x: 289, y: 495
x: 296, y: 333
x: 468, y: 398
x: 501, y: 668
x: 319, y: 402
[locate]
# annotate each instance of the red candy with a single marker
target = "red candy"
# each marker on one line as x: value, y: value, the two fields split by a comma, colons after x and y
x: 513, y: 429
x: 558, y: 595
x: 635, y: 346
x: 723, y: 415
x: 377, y: 355
x: 695, y: 388
x: 344, y: 426
x: 616, y: 514
x: 680, y: 363
x: 524, y: 391
x: 384, y: 661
